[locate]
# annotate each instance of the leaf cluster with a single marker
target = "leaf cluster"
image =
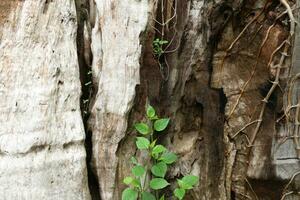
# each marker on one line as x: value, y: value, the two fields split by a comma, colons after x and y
x: 157, y: 45
x: 160, y: 158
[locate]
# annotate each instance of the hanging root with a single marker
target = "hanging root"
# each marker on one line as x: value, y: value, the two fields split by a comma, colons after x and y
x: 251, y: 188
x: 168, y: 15
x: 285, y: 194
x: 291, y: 16
x: 237, y: 39
x: 253, y: 70
x: 275, y: 83
x: 296, y: 131
x: 242, y: 129
x: 297, y: 113
x: 289, y: 193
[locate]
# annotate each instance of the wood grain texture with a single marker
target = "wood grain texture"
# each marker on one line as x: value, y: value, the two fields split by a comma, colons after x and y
x: 116, y: 49
x: 42, y: 154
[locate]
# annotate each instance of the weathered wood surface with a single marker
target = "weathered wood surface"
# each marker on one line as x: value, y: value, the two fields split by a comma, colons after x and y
x: 262, y: 169
x: 116, y: 48
x: 42, y: 154
x: 286, y: 149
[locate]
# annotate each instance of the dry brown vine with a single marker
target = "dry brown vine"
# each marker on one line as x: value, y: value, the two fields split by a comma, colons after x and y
x: 285, y: 193
x: 255, y: 66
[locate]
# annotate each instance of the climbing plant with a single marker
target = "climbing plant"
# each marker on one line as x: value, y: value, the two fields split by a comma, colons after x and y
x: 148, y: 180
x: 158, y: 47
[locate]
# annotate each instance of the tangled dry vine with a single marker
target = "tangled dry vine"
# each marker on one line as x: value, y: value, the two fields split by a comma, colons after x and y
x: 277, y: 65
x: 168, y: 21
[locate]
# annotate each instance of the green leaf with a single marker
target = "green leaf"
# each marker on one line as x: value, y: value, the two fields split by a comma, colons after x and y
x: 179, y: 193
x: 138, y: 170
x: 155, y: 117
x: 158, y: 149
x: 184, y: 185
x: 129, y: 194
x: 142, y: 143
x: 161, y: 124
x: 158, y: 183
x: 147, y: 196
x: 150, y: 112
x: 168, y: 157
x: 127, y: 180
x: 190, y: 180
x: 159, y: 169
x: 162, y: 197
x: 134, y: 160
x: 136, y: 183
x: 163, y: 42
x: 142, y: 128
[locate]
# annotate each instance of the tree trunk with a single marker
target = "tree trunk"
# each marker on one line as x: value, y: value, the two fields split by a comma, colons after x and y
x: 75, y: 75
x: 42, y: 154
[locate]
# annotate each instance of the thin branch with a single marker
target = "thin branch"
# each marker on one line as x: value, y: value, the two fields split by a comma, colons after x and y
x: 239, y: 36
x: 291, y: 180
x: 274, y: 52
x: 291, y: 16
x: 286, y: 194
x: 247, y: 125
x: 286, y: 112
x: 251, y: 188
x: 267, y: 97
x: 296, y: 131
x: 254, y: 70
x: 290, y: 90
x: 252, y: 73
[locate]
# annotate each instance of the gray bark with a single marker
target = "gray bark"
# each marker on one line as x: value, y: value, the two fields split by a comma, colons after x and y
x: 42, y: 154
x: 116, y: 49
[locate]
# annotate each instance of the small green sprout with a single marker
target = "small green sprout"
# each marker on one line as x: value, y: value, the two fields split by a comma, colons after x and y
x: 158, y: 46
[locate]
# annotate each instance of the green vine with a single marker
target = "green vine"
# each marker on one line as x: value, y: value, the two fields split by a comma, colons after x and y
x: 147, y: 180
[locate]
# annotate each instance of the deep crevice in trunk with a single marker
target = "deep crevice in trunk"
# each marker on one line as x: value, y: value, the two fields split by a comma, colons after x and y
x: 192, y: 110
x: 146, y: 92
x: 82, y: 7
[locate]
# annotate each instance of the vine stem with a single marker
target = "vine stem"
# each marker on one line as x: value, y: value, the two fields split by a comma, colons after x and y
x: 296, y: 131
x: 238, y: 37
x: 242, y: 129
x: 297, y: 114
x: 267, y: 97
x: 275, y: 83
x: 148, y: 165
x: 288, y: 184
x: 291, y: 16
x: 254, y: 67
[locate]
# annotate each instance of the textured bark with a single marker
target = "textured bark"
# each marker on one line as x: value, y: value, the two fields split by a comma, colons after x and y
x: 75, y: 70
x: 42, y: 154
x: 116, y: 51
x: 262, y: 169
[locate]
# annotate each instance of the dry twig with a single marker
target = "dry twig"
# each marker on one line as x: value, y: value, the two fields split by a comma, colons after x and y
x: 288, y: 184
x: 267, y: 97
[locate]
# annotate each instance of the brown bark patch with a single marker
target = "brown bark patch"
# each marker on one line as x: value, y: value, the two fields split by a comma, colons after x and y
x: 6, y: 6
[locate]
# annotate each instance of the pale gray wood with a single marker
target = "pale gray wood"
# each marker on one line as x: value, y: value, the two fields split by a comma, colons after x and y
x: 116, y: 48
x: 42, y: 154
